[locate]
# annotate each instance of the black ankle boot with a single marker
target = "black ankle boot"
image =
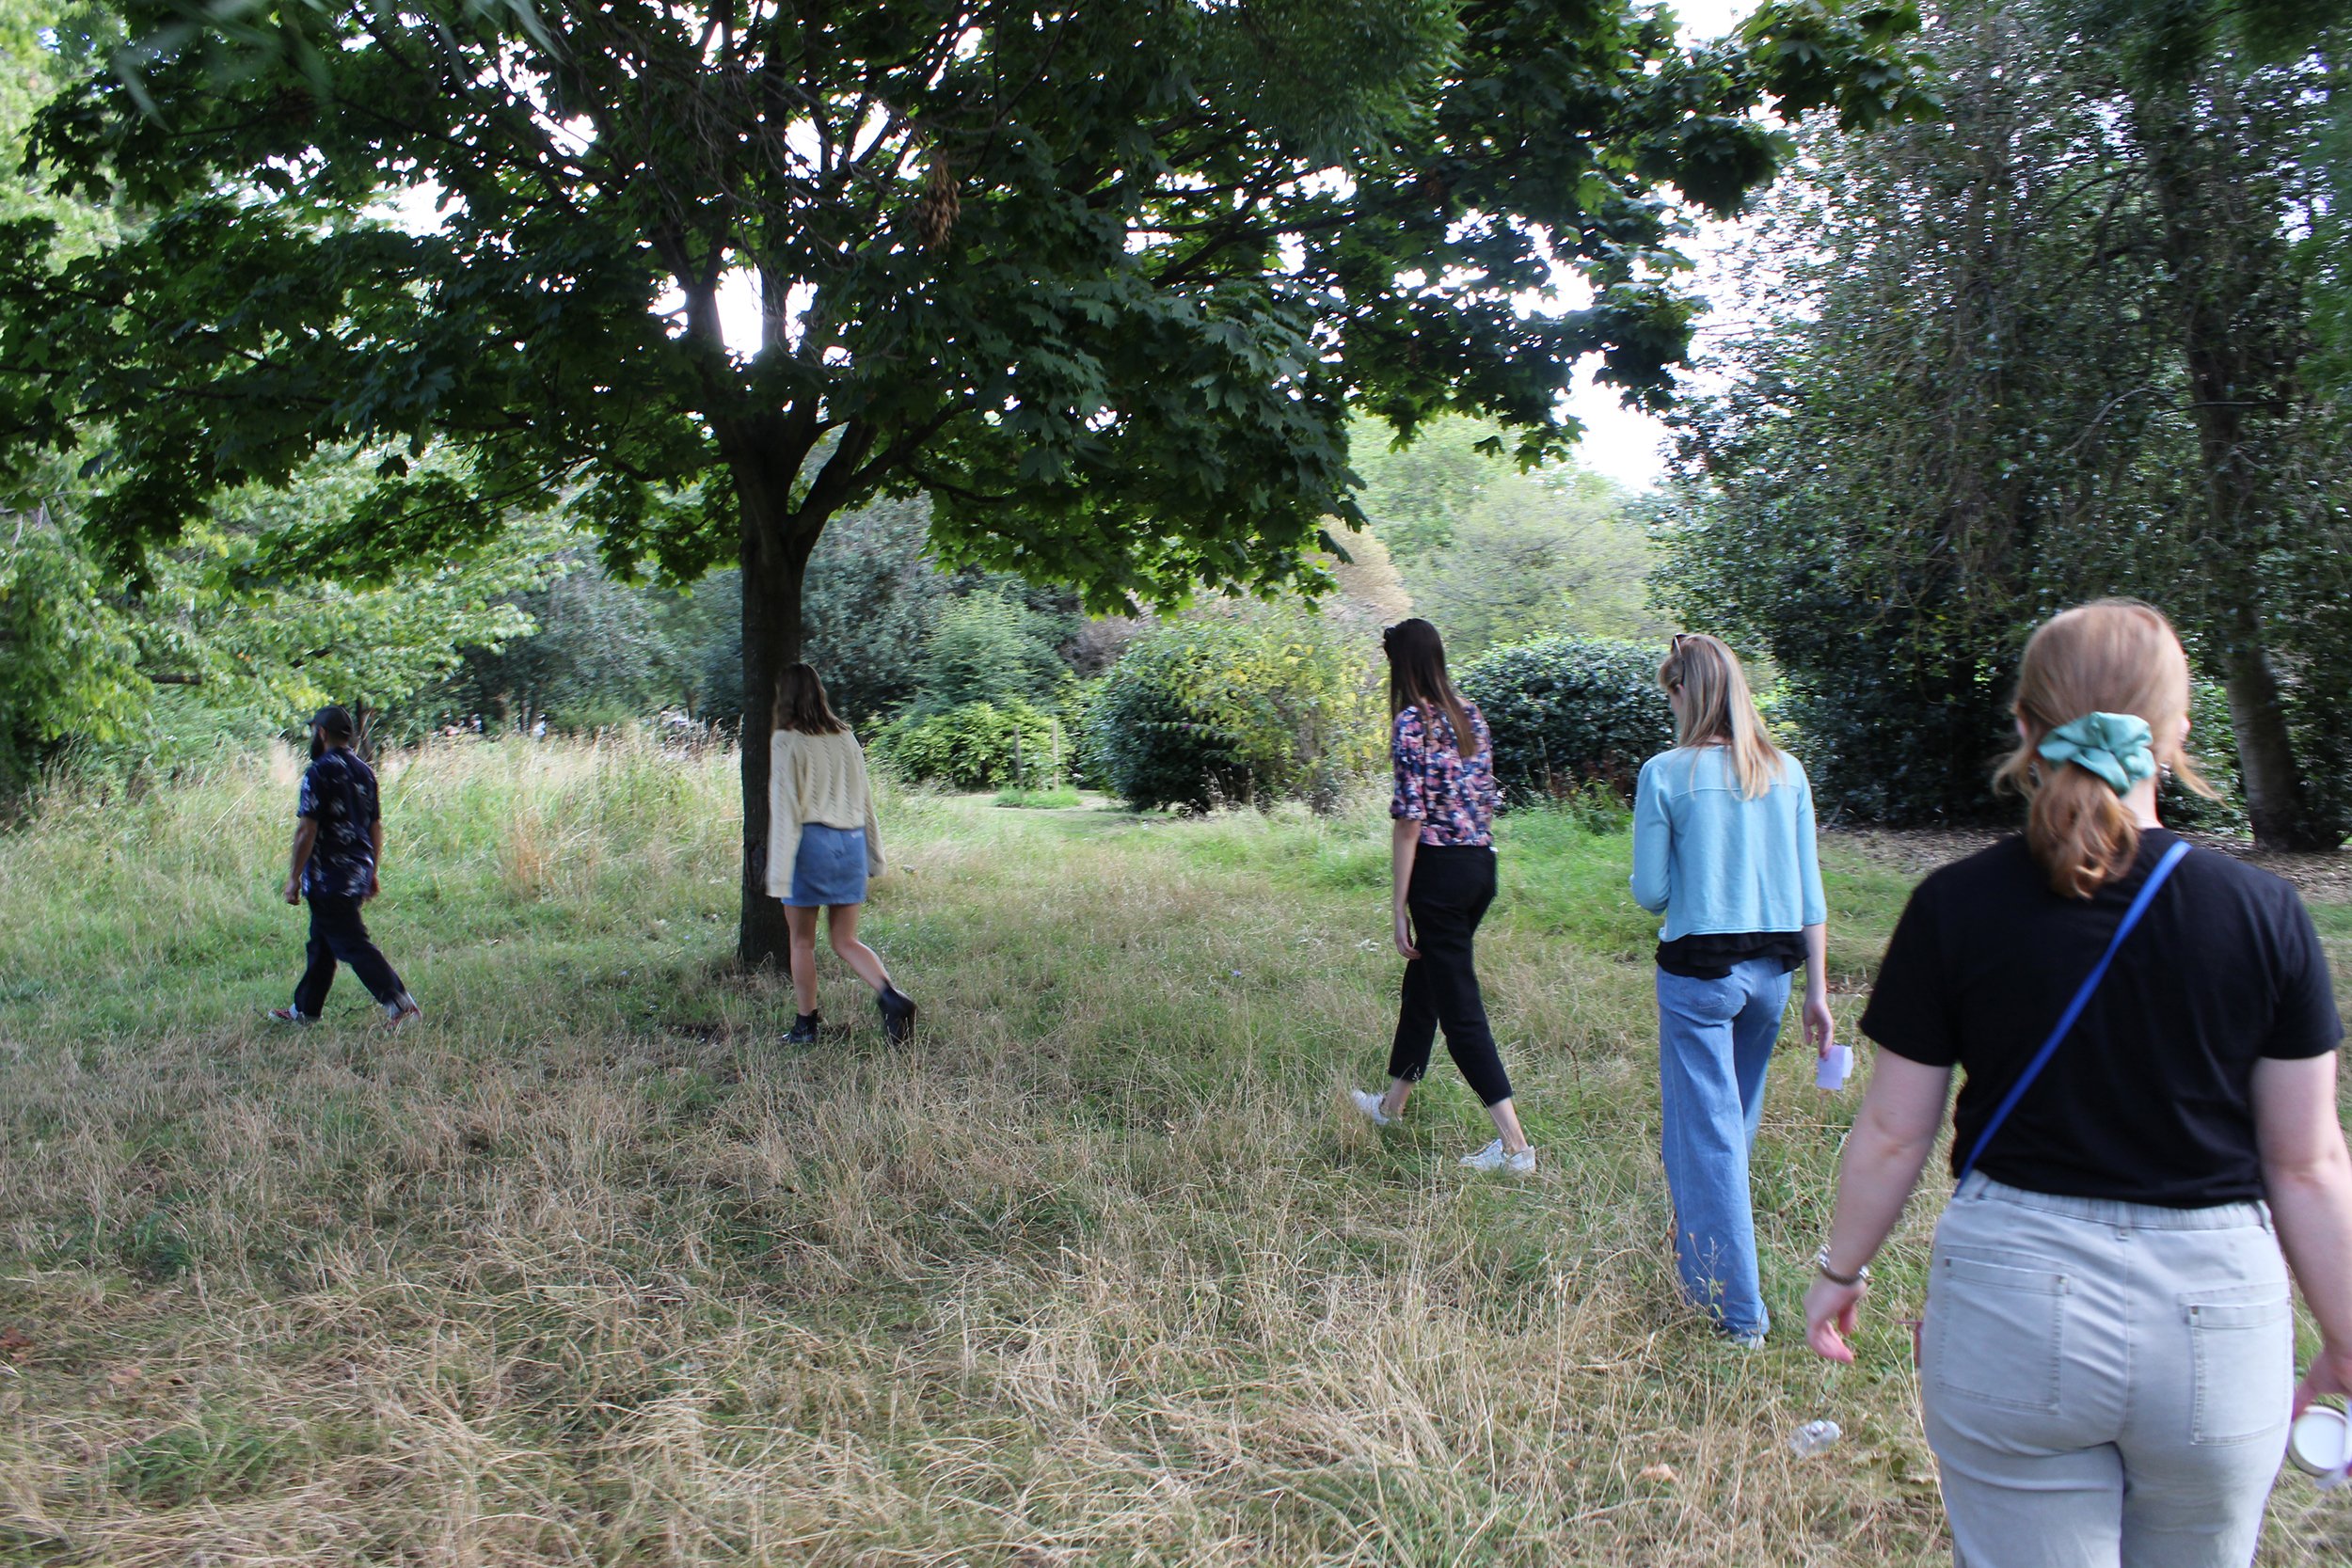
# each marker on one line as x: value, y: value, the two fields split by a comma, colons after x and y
x: 897, y: 1014
x: 803, y: 1030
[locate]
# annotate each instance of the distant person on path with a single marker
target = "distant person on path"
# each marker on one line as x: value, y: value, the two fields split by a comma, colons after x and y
x: 338, y: 857
x: 1723, y: 845
x: 2107, y: 1362
x: 1442, y: 876
x: 823, y: 841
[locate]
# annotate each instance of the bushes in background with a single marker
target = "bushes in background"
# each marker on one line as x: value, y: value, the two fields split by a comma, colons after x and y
x: 1568, y: 712
x: 883, y: 625
x: 1149, y: 745
x: 976, y: 746
x: 987, y: 648
x: 1254, y: 704
x: 994, y: 703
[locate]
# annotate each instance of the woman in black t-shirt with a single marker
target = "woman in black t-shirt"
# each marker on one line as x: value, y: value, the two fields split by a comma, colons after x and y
x: 2106, y: 1363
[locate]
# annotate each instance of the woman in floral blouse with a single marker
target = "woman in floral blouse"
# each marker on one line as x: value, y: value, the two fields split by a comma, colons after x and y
x: 1444, y: 873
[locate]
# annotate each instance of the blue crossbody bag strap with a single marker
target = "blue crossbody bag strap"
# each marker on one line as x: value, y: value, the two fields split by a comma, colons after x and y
x: 2173, y: 857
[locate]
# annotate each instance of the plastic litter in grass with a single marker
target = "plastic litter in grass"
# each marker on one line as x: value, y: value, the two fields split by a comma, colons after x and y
x: 1814, y: 1437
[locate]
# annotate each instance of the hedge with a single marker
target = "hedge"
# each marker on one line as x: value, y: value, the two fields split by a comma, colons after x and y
x: 1568, y: 712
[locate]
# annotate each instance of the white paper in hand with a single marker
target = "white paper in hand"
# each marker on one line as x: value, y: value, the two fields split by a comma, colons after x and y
x: 1835, y: 1065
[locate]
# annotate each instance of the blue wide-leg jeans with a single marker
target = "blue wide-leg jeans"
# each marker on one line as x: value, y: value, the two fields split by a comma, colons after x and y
x: 1714, y: 1041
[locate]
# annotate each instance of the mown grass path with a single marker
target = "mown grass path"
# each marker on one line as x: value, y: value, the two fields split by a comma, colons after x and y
x: 588, y: 1269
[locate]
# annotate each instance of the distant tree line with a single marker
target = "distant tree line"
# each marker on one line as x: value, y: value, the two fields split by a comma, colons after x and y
x: 887, y: 625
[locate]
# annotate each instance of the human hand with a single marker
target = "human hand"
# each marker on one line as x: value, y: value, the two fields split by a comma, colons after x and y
x: 1404, y: 935
x: 1820, y: 1027
x: 375, y: 887
x: 2330, y: 1373
x: 1831, y: 1310
x: 294, y: 890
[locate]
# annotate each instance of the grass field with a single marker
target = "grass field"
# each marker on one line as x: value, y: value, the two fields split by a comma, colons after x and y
x: 587, y: 1268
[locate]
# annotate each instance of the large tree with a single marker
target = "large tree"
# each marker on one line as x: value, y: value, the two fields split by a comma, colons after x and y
x: 1104, y: 280
x: 2220, y: 146
x: 2010, y: 371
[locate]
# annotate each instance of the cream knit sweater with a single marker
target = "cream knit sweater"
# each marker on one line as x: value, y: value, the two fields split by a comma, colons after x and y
x: 816, y: 778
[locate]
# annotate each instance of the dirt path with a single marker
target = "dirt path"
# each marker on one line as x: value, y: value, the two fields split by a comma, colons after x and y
x: 2322, y: 878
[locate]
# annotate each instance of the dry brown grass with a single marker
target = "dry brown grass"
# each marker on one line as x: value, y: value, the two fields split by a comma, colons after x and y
x: 588, y: 1270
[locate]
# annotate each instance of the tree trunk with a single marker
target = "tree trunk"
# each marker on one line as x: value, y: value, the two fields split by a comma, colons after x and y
x: 774, y: 563
x: 2267, y: 770
x: 2220, y: 246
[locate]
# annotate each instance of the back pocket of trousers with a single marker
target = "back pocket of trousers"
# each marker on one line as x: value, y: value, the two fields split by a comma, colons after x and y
x: 2241, y: 1340
x: 1995, y: 1322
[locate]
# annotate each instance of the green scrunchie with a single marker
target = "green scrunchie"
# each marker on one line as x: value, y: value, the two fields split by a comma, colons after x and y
x: 2115, y: 746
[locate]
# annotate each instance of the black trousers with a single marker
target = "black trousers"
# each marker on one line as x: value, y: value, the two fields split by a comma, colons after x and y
x: 338, y: 932
x: 1451, y: 886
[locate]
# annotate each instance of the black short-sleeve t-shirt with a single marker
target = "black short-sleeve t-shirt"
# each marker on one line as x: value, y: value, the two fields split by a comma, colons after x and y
x: 2150, y: 1096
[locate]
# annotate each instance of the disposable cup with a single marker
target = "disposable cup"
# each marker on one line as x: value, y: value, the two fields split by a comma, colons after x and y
x: 2321, y: 1442
x: 1833, y: 1067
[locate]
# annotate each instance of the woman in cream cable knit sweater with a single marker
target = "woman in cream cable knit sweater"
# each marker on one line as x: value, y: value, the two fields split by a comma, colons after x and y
x: 822, y: 844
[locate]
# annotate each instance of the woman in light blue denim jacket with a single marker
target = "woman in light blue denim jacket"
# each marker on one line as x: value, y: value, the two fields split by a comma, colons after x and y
x: 1723, y: 845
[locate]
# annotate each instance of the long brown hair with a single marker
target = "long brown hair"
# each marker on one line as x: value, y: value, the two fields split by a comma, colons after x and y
x: 801, y: 702
x: 1718, y: 710
x: 2114, y: 655
x: 1417, y: 678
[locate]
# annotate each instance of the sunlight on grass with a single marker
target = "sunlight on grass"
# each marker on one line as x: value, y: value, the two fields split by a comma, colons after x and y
x: 588, y: 1268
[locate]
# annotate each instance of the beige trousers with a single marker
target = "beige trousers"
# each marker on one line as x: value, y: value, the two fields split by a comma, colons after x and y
x: 2106, y: 1384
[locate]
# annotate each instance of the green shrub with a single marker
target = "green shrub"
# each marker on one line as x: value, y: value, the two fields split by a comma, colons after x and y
x: 986, y: 648
x: 1569, y: 713
x: 1255, y: 705
x: 1299, y: 698
x: 1082, y: 762
x: 72, y: 661
x: 976, y: 746
x: 1146, y: 742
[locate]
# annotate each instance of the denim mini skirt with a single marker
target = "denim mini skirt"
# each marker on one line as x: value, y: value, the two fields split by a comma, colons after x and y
x: 830, y: 867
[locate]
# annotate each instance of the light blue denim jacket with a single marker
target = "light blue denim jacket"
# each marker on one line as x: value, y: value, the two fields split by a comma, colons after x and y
x: 1716, y: 864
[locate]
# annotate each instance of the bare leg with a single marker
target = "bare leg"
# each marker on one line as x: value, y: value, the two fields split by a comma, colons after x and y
x: 1506, y: 1121
x: 1392, y: 1103
x: 841, y: 930
x: 802, y: 926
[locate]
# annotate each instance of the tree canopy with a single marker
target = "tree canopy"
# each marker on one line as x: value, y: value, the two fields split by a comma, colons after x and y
x: 209, y: 645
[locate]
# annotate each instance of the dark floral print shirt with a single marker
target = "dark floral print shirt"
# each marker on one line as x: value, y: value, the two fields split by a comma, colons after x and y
x: 338, y: 794
x: 1453, y: 797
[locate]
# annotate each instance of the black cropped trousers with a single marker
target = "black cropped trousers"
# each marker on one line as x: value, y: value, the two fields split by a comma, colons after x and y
x: 1451, y: 886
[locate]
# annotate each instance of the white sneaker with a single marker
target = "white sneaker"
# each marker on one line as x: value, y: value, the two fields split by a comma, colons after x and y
x: 1369, y: 1103
x: 1493, y: 1157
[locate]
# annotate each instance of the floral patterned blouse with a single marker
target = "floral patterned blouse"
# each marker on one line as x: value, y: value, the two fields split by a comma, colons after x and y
x: 1453, y: 797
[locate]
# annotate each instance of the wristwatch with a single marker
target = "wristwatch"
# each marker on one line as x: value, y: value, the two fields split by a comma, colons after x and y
x: 1821, y: 1266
